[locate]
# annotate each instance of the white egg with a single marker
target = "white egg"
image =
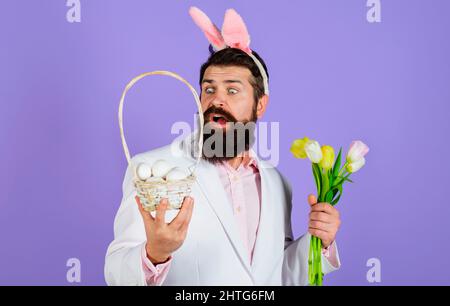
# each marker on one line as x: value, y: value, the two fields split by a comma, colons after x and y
x: 143, y: 171
x: 160, y: 168
x: 176, y: 174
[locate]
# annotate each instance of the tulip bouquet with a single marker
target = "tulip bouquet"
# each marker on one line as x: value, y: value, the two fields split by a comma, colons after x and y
x: 329, y: 177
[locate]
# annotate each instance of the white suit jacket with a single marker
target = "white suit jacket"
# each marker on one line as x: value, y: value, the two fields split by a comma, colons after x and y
x: 213, y: 252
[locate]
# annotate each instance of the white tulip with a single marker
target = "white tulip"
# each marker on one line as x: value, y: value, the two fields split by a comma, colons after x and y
x: 313, y: 151
x: 356, y: 165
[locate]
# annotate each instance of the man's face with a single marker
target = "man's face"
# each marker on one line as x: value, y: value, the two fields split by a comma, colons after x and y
x: 227, y: 88
x: 227, y: 97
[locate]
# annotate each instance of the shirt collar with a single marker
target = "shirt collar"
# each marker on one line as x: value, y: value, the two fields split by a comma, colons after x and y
x: 252, y: 160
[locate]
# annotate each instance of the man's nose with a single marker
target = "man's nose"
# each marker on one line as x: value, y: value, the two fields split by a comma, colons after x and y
x: 218, y: 100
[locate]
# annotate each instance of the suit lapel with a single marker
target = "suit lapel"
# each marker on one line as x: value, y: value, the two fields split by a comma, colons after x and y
x: 264, y: 234
x: 211, y: 187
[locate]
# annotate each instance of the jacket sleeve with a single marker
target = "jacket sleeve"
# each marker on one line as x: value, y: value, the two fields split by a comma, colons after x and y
x: 295, y: 262
x: 123, y: 263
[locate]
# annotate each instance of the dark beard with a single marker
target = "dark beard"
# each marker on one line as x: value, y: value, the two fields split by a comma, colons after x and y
x: 238, y: 137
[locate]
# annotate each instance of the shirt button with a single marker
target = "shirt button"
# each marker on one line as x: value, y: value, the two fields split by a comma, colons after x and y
x: 238, y: 210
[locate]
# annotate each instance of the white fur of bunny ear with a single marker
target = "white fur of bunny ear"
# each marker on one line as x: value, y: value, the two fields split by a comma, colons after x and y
x: 210, y: 30
x: 234, y: 31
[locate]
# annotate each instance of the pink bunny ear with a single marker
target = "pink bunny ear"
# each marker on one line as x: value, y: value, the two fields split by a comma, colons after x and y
x: 235, y: 32
x: 210, y: 30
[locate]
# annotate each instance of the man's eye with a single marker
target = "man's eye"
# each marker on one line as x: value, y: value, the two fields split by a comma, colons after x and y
x: 232, y: 91
x: 209, y: 90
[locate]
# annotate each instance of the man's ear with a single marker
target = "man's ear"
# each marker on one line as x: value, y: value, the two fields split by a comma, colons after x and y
x: 262, y: 105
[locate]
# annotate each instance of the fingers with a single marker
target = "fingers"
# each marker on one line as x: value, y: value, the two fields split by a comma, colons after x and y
x: 322, y: 226
x: 145, y: 214
x: 185, y: 225
x: 323, y: 235
x: 320, y: 216
x: 184, y: 214
x: 312, y: 200
x: 160, y: 216
x: 324, y: 207
x: 320, y: 207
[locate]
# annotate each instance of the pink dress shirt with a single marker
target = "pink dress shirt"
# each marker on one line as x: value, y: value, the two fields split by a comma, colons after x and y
x: 243, y: 188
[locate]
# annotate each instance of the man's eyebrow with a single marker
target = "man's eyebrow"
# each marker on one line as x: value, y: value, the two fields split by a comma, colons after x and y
x: 226, y: 81
x: 232, y: 81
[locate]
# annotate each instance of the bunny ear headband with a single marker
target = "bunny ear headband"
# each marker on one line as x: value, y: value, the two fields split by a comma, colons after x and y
x: 234, y: 34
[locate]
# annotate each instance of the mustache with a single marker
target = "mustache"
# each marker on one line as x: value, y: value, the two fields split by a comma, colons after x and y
x: 220, y: 111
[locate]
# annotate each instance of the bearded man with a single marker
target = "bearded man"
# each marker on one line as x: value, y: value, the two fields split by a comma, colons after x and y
x: 235, y: 228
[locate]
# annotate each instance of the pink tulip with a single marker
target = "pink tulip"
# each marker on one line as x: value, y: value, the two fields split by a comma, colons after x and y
x: 357, y: 151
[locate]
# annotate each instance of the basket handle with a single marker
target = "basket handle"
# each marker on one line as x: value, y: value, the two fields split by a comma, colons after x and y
x: 159, y: 72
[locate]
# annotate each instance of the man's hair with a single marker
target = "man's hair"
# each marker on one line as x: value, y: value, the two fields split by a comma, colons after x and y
x: 237, y: 57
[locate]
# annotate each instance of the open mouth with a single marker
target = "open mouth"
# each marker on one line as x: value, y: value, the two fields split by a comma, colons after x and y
x: 219, y: 119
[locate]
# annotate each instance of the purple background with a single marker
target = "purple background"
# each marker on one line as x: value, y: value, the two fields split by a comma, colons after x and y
x: 334, y: 77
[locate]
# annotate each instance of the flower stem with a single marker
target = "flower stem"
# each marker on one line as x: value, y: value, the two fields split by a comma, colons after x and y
x: 315, y: 275
x: 343, y: 169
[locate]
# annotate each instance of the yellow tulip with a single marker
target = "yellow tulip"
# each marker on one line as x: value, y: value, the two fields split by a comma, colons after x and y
x: 298, y: 147
x: 328, y: 157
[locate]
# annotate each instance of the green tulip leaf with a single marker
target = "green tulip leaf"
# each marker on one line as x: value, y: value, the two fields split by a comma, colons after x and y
x: 317, y: 177
x: 325, y: 186
x: 329, y: 196
x: 342, y: 179
x: 335, y: 201
x: 337, y: 163
x: 339, y: 181
x: 331, y: 177
x: 339, y: 193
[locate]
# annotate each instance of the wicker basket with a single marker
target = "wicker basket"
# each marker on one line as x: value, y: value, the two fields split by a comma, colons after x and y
x: 151, y: 193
